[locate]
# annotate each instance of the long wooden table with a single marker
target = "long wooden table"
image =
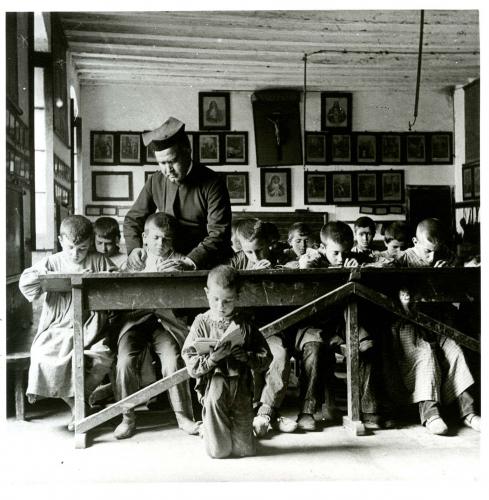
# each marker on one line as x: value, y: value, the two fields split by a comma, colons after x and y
x: 308, y: 291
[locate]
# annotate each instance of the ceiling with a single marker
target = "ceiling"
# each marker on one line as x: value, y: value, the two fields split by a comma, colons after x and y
x: 249, y: 50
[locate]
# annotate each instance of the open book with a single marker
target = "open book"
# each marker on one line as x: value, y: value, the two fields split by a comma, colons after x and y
x: 232, y: 334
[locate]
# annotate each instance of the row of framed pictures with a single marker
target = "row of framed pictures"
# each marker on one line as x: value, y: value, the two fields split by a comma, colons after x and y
x: 376, y: 148
x: 471, y: 181
x: 111, y: 210
x: 62, y: 171
x: 17, y: 131
x: 126, y: 148
x: 17, y: 164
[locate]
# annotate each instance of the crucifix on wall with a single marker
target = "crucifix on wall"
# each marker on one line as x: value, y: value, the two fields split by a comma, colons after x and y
x: 277, y: 127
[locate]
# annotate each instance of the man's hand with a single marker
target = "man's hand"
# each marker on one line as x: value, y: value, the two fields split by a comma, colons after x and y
x: 222, y: 351
x: 237, y: 352
x: 176, y: 265
x: 136, y: 259
x: 262, y: 264
x: 350, y: 263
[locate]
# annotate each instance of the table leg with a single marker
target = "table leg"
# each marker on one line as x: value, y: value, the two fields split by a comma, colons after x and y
x: 19, y: 394
x: 78, y: 358
x: 352, y: 421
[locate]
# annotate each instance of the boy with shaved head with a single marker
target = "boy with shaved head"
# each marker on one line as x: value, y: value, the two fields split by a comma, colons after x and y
x: 434, y: 371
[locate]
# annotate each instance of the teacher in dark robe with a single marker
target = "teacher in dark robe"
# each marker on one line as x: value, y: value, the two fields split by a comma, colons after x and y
x: 195, y: 195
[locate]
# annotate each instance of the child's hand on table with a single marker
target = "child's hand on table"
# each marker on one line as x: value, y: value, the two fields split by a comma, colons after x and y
x: 136, y: 259
x: 262, y: 264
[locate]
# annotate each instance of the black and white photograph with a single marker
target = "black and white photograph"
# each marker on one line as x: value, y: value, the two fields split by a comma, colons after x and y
x: 342, y: 188
x: 315, y: 188
x: 289, y: 301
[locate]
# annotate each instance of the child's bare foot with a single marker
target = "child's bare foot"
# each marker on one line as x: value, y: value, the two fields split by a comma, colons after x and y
x: 186, y: 424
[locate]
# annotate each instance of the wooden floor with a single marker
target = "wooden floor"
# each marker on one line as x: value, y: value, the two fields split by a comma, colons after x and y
x: 160, y: 452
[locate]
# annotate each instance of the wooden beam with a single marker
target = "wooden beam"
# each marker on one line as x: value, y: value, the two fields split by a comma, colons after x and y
x: 418, y: 318
x: 133, y: 400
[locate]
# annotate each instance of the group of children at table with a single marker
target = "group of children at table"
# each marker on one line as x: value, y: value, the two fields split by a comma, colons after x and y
x: 241, y: 387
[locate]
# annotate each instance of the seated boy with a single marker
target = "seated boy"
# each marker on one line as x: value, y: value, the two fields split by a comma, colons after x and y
x: 335, y: 251
x: 447, y: 377
x: 299, y: 239
x: 364, y: 230
x: 160, y: 328
x: 396, y: 236
x: 50, y: 371
x: 224, y: 377
x: 258, y: 243
x: 107, y: 237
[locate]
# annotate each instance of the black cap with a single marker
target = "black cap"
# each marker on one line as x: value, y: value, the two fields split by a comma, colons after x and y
x: 166, y: 135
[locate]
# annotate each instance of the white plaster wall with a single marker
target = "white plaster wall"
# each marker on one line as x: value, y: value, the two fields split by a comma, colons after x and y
x: 137, y: 108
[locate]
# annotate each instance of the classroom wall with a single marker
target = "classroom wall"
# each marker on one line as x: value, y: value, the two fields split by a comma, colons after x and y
x: 140, y: 108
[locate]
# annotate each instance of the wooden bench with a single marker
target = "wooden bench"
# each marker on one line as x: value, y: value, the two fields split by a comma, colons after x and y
x: 18, y: 362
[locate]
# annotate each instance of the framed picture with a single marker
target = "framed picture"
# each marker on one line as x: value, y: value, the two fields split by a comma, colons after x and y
x: 112, y: 186
x: 238, y: 187
x: 92, y: 210
x: 102, y: 148
x: 366, y: 210
x: 396, y: 209
x: 392, y: 186
x: 391, y: 148
x: 150, y: 154
x: 148, y: 174
x: 214, y: 111
x: 477, y: 180
x: 276, y: 187
x: 415, y: 148
x: 366, y: 149
x: 315, y: 188
x: 122, y: 211
x: 441, y: 148
x: 130, y: 148
x: 209, y: 148
x: 381, y: 210
x: 341, y: 148
x: 367, y: 186
x: 467, y: 182
x: 315, y: 148
x: 336, y: 111
x: 342, y: 192
x: 236, y: 148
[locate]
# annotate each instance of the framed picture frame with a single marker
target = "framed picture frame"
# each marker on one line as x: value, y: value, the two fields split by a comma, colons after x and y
x: 467, y: 182
x: 392, y: 186
x: 112, y: 186
x: 366, y: 148
x: 149, y: 154
x: 342, y: 187
x: 367, y: 186
x: 416, y: 148
x: 396, y: 209
x: 476, y: 176
x: 130, y: 148
x: 366, y: 209
x: 236, y: 148
x: 238, y: 185
x: 341, y: 148
x: 336, y: 111
x: 391, y: 148
x: 276, y: 187
x: 315, y: 188
x: 214, y: 111
x: 102, y: 146
x: 315, y: 148
x: 441, y: 147
x: 381, y: 210
x: 209, y: 148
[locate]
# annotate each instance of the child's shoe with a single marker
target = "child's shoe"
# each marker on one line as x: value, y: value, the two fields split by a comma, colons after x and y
x: 127, y: 427
x: 473, y: 421
x: 436, y: 425
x: 306, y: 422
x: 284, y: 424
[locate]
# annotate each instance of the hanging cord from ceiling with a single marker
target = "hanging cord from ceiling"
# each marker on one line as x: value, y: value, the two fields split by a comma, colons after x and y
x: 418, y: 78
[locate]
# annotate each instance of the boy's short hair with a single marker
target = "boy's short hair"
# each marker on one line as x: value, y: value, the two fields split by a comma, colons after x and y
x: 107, y: 227
x: 224, y: 276
x: 365, y: 222
x: 165, y: 222
x: 76, y: 228
x: 255, y: 229
x: 300, y: 228
x: 338, y: 232
x: 397, y: 230
x: 431, y: 229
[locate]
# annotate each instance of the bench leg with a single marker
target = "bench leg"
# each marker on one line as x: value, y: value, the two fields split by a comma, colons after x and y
x: 19, y: 395
x: 80, y: 440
